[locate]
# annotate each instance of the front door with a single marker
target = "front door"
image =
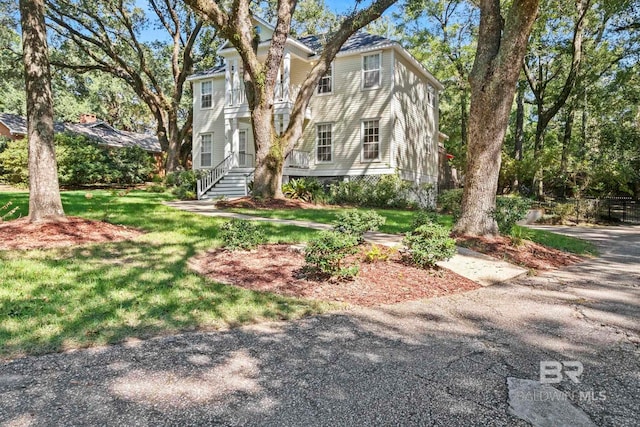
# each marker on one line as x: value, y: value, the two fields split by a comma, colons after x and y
x: 243, y: 158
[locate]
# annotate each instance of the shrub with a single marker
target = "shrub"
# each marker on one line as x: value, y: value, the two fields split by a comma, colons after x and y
x: 429, y: 244
x: 564, y: 211
x: 240, y: 234
x: 424, y: 217
x: 14, y: 161
x: 132, y: 165
x: 384, y: 191
x: 155, y: 188
x: 307, y: 189
x: 356, y: 223
x: 509, y: 210
x: 349, y: 193
x: 183, y: 183
x: 377, y: 254
x: 450, y: 201
x: 326, y: 254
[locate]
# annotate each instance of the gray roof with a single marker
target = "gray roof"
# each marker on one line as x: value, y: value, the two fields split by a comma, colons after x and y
x: 358, y: 41
x: 101, y: 132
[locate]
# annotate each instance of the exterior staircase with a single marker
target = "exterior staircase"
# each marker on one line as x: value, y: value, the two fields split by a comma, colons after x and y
x: 233, y: 184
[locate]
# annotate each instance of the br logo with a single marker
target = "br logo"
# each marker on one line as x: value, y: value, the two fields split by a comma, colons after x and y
x: 552, y: 372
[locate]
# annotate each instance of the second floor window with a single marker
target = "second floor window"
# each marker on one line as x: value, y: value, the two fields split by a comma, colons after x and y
x: 206, y: 150
x: 323, y: 142
x: 206, y: 96
x: 371, y: 67
x: 326, y: 82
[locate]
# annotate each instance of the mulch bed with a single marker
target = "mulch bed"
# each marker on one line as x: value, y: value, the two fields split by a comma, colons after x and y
x: 22, y: 234
x: 527, y: 254
x: 279, y: 269
x: 250, y: 203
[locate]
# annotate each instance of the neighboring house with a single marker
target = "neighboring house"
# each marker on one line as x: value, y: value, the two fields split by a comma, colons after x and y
x: 15, y: 127
x: 375, y: 112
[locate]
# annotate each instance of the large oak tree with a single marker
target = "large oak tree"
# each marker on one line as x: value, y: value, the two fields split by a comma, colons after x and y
x: 260, y: 76
x: 44, y: 193
x: 502, y: 43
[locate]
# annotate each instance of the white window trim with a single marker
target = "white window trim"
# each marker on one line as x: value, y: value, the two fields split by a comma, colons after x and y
x: 333, y: 81
x: 379, y: 84
x: 202, y: 94
x: 208, y: 152
x: 377, y: 159
x: 324, y: 162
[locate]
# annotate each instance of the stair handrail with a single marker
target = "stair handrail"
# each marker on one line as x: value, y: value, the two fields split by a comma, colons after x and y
x: 213, y: 175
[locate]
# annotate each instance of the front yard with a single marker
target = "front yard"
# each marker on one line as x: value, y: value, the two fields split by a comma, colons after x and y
x: 57, y: 299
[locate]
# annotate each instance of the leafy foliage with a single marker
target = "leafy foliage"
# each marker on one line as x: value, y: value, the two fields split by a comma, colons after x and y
x: 428, y: 244
x: 307, y: 189
x: 80, y: 162
x: 356, y: 223
x: 183, y: 183
x: 450, y: 201
x: 385, y: 191
x: 239, y: 234
x: 424, y: 217
x: 326, y: 254
x: 509, y: 210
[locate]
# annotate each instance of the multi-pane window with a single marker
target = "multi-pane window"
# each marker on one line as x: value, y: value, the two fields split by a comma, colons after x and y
x: 371, y: 139
x: 371, y: 70
x: 206, y: 95
x: 206, y: 149
x: 326, y: 82
x: 323, y: 142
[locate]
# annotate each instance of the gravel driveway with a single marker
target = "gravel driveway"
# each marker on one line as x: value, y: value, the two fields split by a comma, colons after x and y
x: 437, y: 362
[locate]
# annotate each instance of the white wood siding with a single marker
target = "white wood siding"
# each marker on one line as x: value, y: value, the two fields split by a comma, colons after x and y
x: 345, y: 108
x: 416, y: 125
x: 209, y: 120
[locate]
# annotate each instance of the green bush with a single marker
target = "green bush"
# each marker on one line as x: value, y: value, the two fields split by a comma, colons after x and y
x: 564, y: 211
x: 356, y: 223
x: 509, y: 210
x: 384, y: 191
x: 14, y: 160
x: 349, y: 193
x: 327, y: 252
x: 424, y: 217
x: 307, y: 189
x: 240, y: 234
x: 428, y: 244
x: 183, y: 183
x: 80, y: 162
x: 450, y: 201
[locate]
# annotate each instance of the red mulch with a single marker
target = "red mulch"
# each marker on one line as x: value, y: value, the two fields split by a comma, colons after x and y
x: 528, y: 254
x: 22, y: 234
x: 248, y: 202
x: 278, y: 269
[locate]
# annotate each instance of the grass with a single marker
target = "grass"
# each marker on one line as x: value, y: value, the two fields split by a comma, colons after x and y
x: 52, y: 300
x: 398, y: 221
x: 557, y: 241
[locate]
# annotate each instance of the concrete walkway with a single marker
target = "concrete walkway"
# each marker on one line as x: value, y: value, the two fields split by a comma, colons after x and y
x: 451, y: 361
x: 475, y: 266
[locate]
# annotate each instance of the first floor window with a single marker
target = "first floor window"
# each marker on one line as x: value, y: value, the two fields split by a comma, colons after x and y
x: 323, y: 142
x: 206, y: 96
x: 206, y: 150
x: 371, y: 140
x: 371, y: 66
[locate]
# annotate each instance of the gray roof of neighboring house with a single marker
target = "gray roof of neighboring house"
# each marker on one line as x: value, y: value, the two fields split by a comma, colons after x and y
x: 358, y: 41
x: 102, y: 132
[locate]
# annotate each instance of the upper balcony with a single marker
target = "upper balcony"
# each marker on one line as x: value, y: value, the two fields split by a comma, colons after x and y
x: 236, y: 104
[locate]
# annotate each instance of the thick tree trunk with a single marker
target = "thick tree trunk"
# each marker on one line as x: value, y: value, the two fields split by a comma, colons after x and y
x: 270, y: 154
x: 44, y: 192
x: 464, y: 116
x: 501, y: 48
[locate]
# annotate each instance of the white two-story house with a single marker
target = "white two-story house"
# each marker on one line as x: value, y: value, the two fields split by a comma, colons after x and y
x: 375, y: 112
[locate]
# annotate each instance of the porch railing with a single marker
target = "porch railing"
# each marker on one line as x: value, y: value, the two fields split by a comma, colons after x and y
x: 212, y: 176
x: 298, y: 159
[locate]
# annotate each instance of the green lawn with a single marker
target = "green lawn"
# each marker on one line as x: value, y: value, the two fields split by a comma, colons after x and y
x: 397, y: 220
x: 57, y: 299
x: 558, y: 241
